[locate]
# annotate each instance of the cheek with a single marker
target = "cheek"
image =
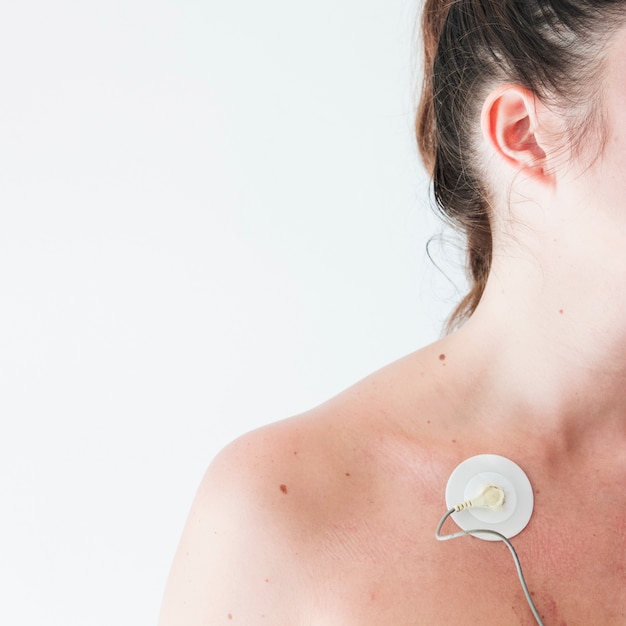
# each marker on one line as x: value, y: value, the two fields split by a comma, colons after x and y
x: 613, y: 153
x: 611, y: 188
x: 607, y: 181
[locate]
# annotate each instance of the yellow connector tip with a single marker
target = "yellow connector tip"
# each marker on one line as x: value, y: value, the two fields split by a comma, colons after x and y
x: 492, y: 497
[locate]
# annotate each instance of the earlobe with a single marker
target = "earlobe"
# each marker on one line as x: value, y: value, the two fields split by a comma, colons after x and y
x: 509, y: 125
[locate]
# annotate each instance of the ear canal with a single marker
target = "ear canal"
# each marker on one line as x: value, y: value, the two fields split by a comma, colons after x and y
x: 524, y: 140
x: 519, y: 134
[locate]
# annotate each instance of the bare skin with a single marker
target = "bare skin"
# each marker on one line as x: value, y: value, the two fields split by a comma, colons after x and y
x: 328, y: 518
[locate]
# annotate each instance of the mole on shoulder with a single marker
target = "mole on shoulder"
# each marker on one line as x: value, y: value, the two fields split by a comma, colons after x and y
x: 442, y: 357
x: 283, y: 488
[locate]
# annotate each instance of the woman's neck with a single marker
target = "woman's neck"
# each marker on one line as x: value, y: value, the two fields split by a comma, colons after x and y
x: 551, y: 349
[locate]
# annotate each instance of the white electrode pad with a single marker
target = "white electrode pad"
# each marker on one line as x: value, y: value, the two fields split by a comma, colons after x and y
x: 472, y: 476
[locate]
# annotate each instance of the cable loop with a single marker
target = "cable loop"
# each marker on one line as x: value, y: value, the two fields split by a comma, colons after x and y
x: 501, y: 537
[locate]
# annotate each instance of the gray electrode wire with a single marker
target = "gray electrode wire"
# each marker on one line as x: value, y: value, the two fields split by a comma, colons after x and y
x: 501, y: 537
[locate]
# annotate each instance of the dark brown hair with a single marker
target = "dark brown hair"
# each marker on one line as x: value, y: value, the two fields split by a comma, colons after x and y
x: 554, y: 48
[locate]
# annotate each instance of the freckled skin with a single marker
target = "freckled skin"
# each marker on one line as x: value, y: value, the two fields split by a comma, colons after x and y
x: 333, y: 543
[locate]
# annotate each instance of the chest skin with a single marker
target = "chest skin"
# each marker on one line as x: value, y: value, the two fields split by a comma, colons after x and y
x: 382, y: 564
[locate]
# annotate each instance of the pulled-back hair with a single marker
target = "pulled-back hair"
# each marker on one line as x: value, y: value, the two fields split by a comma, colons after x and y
x: 554, y: 48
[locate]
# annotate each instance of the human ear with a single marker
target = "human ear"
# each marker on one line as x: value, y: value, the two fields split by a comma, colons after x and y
x: 510, y: 127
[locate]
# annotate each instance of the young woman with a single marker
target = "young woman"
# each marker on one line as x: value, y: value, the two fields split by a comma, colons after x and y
x: 328, y: 518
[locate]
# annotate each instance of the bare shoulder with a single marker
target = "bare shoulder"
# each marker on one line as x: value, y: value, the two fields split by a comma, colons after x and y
x: 242, y: 557
x: 281, y: 507
x: 233, y: 563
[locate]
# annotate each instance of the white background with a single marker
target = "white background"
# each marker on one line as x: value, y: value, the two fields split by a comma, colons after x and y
x: 212, y: 216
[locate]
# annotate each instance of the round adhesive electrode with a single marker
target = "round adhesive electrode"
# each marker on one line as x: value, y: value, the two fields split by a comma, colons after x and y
x: 472, y: 476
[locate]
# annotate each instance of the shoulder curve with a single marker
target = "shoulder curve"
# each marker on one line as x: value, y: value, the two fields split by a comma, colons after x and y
x: 239, y: 554
x: 274, y: 497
